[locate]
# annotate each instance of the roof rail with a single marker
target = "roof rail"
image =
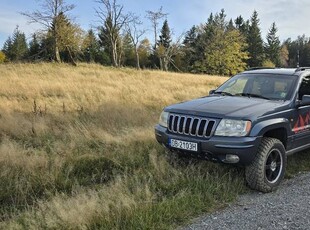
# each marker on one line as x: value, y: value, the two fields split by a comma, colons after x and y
x: 302, y: 69
x: 256, y: 68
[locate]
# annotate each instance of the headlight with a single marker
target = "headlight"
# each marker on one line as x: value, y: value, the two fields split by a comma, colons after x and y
x: 233, y: 128
x: 163, y: 119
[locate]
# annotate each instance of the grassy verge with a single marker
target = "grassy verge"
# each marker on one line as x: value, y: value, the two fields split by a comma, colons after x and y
x: 298, y: 163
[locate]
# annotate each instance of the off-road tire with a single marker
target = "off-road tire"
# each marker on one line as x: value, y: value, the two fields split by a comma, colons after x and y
x: 257, y: 172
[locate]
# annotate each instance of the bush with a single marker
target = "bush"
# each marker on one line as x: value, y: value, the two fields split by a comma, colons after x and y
x: 2, y: 57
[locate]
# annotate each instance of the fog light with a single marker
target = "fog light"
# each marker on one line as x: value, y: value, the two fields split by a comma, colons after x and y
x: 231, y: 158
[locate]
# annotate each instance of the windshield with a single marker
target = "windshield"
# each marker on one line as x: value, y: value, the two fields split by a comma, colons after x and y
x: 266, y: 86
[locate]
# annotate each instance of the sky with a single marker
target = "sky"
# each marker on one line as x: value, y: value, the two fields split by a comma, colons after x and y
x: 290, y: 16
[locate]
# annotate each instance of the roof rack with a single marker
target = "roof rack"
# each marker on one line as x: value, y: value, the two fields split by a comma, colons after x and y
x: 302, y: 69
x: 256, y: 68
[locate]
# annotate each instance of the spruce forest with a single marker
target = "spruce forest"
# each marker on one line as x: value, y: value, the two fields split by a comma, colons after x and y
x: 220, y: 46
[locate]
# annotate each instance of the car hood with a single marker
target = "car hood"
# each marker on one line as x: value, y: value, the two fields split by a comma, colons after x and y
x: 228, y: 106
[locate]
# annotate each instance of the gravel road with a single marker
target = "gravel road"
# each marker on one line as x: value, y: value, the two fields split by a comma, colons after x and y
x: 287, y: 208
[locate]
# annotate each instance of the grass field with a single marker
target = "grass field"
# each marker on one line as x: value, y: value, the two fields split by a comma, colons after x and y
x: 77, y: 150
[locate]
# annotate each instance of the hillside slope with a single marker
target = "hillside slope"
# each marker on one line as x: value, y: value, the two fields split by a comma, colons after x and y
x: 77, y: 150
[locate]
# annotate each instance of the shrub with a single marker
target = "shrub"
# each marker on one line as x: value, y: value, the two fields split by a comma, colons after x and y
x: 2, y: 57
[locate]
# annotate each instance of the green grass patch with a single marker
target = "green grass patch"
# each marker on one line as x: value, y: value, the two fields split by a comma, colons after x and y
x: 299, y: 162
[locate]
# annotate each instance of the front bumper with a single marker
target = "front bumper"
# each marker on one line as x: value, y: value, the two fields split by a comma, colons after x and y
x: 215, y: 148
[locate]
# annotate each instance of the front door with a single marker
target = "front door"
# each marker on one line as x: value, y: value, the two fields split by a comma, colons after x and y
x: 301, y: 118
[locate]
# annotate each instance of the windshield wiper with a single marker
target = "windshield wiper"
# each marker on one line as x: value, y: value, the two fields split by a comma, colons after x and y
x: 223, y: 93
x: 251, y: 95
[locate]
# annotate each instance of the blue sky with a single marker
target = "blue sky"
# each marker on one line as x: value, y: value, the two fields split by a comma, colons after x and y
x: 291, y: 16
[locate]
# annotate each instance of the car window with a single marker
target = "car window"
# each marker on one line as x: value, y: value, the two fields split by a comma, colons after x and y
x: 237, y: 86
x: 271, y: 86
x: 276, y: 88
x: 304, y: 87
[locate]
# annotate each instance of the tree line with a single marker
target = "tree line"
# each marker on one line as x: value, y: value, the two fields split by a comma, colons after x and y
x: 219, y: 46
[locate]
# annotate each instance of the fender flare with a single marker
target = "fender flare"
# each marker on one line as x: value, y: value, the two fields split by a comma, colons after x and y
x: 262, y: 127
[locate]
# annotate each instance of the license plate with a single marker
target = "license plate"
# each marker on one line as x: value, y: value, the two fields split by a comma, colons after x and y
x: 185, y: 145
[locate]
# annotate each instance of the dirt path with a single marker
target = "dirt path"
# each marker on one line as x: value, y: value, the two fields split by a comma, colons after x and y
x: 287, y: 208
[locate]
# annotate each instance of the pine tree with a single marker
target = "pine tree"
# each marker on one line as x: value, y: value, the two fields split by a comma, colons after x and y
x: 68, y: 37
x: 47, y: 48
x: 298, y: 51
x: 306, y: 57
x: 113, y: 20
x: 239, y: 21
x: 7, y: 48
x: 301, y: 51
x: 222, y: 46
x: 16, y: 48
x: 220, y: 20
x: 110, y: 41
x: 164, y: 44
x: 91, y: 47
x: 165, y: 35
x: 231, y: 25
x: 272, y: 47
x: 34, y: 48
x: 50, y: 16
x: 255, y: 42
x: 128, y: 52
x: 20, y: 47
x: 190, y: 48
x: 241, y: 25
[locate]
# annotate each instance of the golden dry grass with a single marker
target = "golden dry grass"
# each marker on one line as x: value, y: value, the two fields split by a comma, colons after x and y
x: 77, y: 149
x: 122, y: 100
x: 93, y: 86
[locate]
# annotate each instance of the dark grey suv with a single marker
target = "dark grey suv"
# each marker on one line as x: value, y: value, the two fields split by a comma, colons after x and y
x: 255, y: 119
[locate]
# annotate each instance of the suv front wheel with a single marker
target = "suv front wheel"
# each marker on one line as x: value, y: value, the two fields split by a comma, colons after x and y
x: 267, y: 170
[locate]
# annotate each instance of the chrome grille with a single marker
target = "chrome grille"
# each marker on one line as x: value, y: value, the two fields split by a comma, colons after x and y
x: 190, y: 125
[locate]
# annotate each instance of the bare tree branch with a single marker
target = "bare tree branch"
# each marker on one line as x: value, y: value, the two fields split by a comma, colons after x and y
x: 47, y: 16
x: 166, y: 57
x: 154, y: 17
x: 113, y: 20
x: 135, y: 34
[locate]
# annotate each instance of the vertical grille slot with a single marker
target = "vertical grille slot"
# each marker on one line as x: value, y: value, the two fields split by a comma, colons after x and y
x: 209, y: 128
x: 194, y: 127
x: 175, y: 123
x: 170, y: 122
x: 181, y: 125
x: 188, y: 125
x: 201, y: 128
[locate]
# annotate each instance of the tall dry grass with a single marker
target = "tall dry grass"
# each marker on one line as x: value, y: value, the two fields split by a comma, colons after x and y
x: 77, y: 150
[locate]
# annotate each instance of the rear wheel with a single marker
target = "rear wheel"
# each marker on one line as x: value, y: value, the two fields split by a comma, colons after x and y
x: 268, y: 168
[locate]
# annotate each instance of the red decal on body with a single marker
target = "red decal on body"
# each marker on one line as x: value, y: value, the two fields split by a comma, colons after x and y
x: 302, y: 123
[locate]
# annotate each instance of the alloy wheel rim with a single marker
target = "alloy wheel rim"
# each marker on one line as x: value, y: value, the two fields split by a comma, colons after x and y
x: 273, y: 166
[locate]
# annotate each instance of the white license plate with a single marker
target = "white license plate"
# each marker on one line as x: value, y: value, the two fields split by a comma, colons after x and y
x: 185, y: 145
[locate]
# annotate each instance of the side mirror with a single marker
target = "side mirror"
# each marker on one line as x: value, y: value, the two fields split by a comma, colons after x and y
x: 211, y: 91
x: 305, y: 100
